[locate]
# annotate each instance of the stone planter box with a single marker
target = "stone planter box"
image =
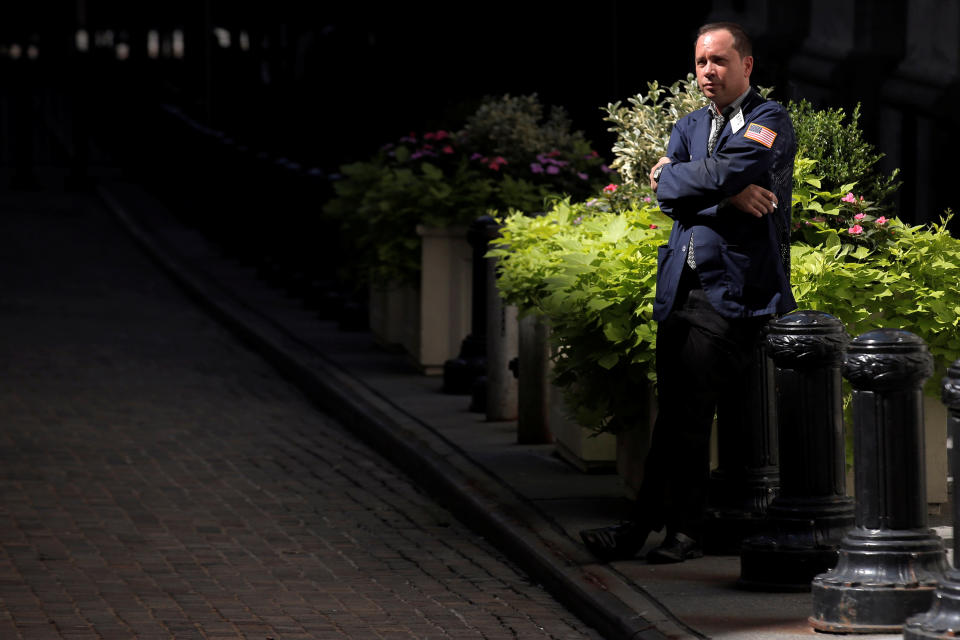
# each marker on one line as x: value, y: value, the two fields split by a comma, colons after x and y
x: 576, y: 444
x: 392, y: 308
x: 430, y: 321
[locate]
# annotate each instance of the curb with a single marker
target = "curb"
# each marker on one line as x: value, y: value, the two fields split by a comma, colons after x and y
x: 596, y: 593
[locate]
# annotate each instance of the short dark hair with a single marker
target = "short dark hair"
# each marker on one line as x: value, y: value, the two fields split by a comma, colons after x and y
x: 741, y: 41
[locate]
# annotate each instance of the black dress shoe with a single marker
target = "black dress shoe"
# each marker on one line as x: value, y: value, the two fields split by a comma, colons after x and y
x: 617, y: 542
x: 676, y: 547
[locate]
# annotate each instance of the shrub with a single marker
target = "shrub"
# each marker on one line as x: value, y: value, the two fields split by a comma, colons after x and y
x: 507, y: 156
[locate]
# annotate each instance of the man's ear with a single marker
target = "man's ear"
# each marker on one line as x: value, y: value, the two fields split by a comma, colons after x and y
x: 747, y: 66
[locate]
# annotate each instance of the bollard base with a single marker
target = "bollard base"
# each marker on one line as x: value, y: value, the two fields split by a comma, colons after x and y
x: 866, y: 609
x: 770, y: 567
x: 882, y: 578
x: 792, y: 551
x: 943, y: 619
x: 459, y: 374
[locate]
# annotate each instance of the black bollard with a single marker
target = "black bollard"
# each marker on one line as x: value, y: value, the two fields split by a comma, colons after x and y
x: 806, y: 521
x: 533, y: 386
x: 500, y: 388
x: 890, y: 562
x: 943, y: 618
x: 460, y: 373
x: 747, y: 476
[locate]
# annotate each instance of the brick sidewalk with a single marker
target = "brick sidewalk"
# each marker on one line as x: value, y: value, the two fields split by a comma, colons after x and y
x: 160, y: 481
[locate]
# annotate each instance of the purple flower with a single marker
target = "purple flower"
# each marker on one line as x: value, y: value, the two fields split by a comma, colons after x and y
x: 416, y: 154
x: 605, y: 168
x: 592, y: 202
x: 476, y: 156
x: 552, y: 170
x: 583, y: 176
x: 536, y: 168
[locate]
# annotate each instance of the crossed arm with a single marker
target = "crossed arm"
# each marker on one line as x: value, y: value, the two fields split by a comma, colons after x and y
x: 731, y: 177
x: 753, y: 199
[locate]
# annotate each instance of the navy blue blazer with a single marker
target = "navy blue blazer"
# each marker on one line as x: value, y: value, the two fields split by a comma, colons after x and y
x: 743, y: 262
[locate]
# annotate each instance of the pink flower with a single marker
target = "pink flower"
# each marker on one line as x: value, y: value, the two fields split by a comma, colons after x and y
x: 881, y: 220
x: 429, y: 136
x: 646, y: 198
x: 497, y: 162
x: 583, y: 176
x: 856, y: 230
x: 610, y: 188
x: 440, y: 135
x: 552, y: 170
x: 447, y: 149
x: 860, y: 216
x: 536, y: 168
x: 653, y: 226
x: 849, y: 198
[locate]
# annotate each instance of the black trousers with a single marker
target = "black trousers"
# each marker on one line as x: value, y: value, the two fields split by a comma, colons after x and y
x: 701, y: 356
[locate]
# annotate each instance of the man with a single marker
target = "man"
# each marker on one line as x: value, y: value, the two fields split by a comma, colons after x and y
x: 726, y: 181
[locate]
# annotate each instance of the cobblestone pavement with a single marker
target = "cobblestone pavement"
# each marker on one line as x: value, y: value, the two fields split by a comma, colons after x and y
x: 157, y: 480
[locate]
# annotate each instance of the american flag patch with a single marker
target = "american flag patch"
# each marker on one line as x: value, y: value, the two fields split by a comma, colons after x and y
x: 761, y: 134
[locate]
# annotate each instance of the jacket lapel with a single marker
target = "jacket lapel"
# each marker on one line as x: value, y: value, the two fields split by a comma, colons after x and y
x: 753, y: 98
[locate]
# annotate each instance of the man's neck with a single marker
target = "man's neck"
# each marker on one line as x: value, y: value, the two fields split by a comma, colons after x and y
x: 727, y: 110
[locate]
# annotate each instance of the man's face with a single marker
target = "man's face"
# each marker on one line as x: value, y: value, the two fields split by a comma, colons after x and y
x: 721, y: 73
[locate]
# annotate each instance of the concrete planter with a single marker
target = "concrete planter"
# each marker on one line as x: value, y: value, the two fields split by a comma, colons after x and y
x: 393, y: 308
x: 428, y: 322
x: 576, y: 444
x: 445, y: 297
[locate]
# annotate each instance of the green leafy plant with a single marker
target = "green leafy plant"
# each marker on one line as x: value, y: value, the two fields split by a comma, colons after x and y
x: 839, y: 153
x: 513, y: 136
x: 907, y: 282
x: 592, y: 274
x: 507, y: 156
x: 379, y: 203
x: 819, y: 213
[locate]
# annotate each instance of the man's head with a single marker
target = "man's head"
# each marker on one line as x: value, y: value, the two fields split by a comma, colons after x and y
x: 724, y: 60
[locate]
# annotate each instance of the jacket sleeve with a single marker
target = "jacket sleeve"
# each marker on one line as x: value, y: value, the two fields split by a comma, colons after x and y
x: 698, y: 186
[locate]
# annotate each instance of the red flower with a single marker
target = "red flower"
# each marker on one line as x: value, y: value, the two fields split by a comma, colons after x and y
x: 610, y: 188
x: 447, y: 149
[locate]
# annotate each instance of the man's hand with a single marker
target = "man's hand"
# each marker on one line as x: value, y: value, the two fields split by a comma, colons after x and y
x: 755, y: 200
x: 662, y: 161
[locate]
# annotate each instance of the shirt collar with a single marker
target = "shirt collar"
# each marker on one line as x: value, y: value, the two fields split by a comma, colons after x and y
x: 730, y: 108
